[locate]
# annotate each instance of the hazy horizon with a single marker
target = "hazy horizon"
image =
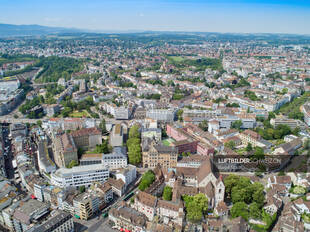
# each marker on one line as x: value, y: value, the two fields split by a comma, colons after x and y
x: 243, y: 16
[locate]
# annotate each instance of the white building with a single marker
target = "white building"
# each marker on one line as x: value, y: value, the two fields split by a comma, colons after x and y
x: 163, y: 115
x: 80, y: 175
x: 10, y: 85
x: 116, y: 159
x: 127, y: 175
x: 122, y: 113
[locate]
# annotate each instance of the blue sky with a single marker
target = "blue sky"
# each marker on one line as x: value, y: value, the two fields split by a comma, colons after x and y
x: 274, y: 16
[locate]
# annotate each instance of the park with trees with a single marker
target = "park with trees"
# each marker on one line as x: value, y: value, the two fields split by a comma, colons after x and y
x: 196, y: 206
x: 147, y: 179
x: 133, y: 146
x: 248, y: 200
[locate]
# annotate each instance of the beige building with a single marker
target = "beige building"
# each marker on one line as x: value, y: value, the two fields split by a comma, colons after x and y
x: 64, y: 150
x: 251, y: 137
x: 85, y: 205
x: 155, y: 154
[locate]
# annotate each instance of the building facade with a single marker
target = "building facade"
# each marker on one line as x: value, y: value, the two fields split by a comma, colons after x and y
x: 80, y: 175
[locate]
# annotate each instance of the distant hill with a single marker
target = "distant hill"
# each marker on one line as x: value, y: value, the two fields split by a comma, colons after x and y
x: 8, y: 30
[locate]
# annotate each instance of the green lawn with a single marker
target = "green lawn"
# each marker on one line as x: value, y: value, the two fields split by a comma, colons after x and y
x: 241, y: 151
x: 176, y: 58
x: 79, y: 114
x: 167, y: 142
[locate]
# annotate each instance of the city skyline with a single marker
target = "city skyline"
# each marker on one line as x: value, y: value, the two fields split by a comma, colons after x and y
x: 243, y: 16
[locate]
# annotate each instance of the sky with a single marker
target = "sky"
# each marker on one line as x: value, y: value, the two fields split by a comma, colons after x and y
x: 238, y: 16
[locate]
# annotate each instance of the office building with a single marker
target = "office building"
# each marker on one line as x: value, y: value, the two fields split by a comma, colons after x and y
x: 80, y: 175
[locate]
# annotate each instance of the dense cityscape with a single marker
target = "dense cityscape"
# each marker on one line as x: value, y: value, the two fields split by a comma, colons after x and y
x: 155, y: 131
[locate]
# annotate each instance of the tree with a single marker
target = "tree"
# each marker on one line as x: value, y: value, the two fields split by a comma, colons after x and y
x: 82, y: 188
x: 249, y: 147
x: 147, y: 179
x: 240, y: 189
x: 133, y: 146
x: 179, y: 115
x: 138, y: 74
x: 259, y: 153
x: 271, y: 115
x: 231, y: 144
x: 72, y: 164
x: 103, y: 148
x: 230, y: 182
x: 203, y: 125
x: 296, y: 131
x: 307, y: 144
x: 134, y: 132
x: 39, y: 123
x: 201, y: 201
x: 193, y: 213
x: 284, y: 91
x: 102, y: 126
x: 237, y: 124
x: 255, y: 211
x: 167, y: 194
x: 195, y: 206
x: 240, y: 195
x: 134, y: 151
x: 258, y: 197
x: 240, y: 209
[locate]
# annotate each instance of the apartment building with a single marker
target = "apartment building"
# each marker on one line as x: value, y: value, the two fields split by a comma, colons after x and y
x: 146, y: 203
x: 284, y: 121
x: 104, y: 190
x: 60, y: 221
x: 65, y: 150
x: 116, y: 159
x: 126, y: 218
x: 251, y: 137
x: 127, y: 175
x: 28, y: 212
x: 198, y: 116
x: 80, y: 175
x: 87, y: 138
x: 122, y: 113
x: 161, y: 115
x: 85, y: 205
